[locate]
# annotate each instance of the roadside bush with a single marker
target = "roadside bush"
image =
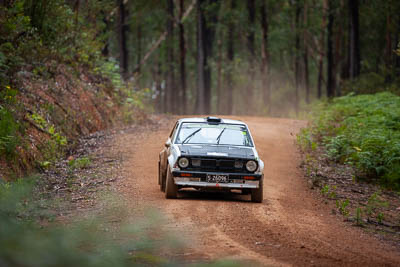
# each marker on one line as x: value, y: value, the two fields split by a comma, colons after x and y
x: 363, y: 131
x: 89, y: 242
x: 8, y: 133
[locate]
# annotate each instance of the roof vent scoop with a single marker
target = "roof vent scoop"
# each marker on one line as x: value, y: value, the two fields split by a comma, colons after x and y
x: 213, y: 119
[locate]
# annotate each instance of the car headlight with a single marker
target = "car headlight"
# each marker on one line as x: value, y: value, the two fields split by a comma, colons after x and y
x: 183, y: 162
x: 251, y: 166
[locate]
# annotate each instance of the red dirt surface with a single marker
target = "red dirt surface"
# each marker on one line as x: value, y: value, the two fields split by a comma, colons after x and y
x: 291, y: 227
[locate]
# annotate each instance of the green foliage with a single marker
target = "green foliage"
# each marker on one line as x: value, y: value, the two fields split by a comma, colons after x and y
x: 363, y: 131
x: 55, y: 146
x: 80, y: 163
x: 342, y: 206
x: 375, y: 202
x: 359, y: 215
x: 8, y: 132
x: 24, y: 242
x: 56, y: 137
x: 91, y: 242
x: 328, y: 192
x: 37, y: 32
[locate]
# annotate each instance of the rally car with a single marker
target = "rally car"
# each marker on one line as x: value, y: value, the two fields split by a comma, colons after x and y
x: 210, y: 153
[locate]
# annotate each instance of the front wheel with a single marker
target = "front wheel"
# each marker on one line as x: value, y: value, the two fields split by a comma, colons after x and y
x: 171, y: 189
x: 257, y: 194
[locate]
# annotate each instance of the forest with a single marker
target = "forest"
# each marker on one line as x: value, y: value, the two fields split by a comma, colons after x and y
x: 227, y: 57
x: 255, y: 57
x: 79, y: 73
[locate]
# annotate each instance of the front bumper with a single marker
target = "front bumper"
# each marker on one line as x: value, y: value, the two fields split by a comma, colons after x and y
x: 198, y: 179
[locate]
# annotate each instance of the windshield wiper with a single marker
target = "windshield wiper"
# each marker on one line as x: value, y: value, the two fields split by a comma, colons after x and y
x: 219, y: 136
x: 191, y: 135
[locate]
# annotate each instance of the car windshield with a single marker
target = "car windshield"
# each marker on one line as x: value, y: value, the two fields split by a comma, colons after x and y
x: 217, y: 134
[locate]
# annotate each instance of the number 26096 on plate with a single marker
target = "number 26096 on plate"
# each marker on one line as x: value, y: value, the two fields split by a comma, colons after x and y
x: 217, y: 178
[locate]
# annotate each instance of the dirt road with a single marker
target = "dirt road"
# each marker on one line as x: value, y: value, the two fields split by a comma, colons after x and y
x: 291, y: 227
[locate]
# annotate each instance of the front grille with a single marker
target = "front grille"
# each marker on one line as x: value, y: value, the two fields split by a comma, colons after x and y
x: 217, y: 165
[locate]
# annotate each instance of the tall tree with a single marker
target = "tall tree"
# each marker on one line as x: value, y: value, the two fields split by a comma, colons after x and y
x: 230, y: 57
x: 211, y: 8
x: 206, y: 21
x: 201, y: 59
x: 330, y: 68
x: 322, y: 49
x: 265, y: 56
x: 170, y: 79
x: 182, y: 59
x: 305, y: 53
x: 297, y: 55
x: 139, y: 41
x: 251, y: 9
x: 122, y: 40
x: 354, y: 43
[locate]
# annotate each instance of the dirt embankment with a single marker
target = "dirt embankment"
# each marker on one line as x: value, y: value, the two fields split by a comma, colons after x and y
x: 63, y: 103
x: 291, y: 226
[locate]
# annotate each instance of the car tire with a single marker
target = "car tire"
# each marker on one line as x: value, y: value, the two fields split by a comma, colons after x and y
x: 161, y: 178
x: 257, y: 194
x: 171, y: 189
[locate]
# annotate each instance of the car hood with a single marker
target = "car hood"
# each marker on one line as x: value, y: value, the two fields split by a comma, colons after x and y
x: 216, y: 151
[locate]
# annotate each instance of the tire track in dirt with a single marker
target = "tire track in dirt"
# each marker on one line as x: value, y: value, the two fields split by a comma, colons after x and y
x: 291, y: 226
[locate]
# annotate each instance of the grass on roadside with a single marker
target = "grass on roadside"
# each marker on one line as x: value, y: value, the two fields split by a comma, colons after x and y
x: 362, y: 131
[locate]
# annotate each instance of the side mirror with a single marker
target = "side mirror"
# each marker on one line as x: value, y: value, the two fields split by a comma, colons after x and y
x: 168, y: 143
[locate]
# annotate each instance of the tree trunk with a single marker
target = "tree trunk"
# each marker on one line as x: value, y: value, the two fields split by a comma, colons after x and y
x: 297, y: 56
x: 206, y: 33
x: 330, y: 68
x: 170, y: 85
x: 182, y: 58
x: 265, y: 57
x: 210, y: 26
x: 105, y: 51
x: 305, y: 55
x: 201, y: 59
x: 122, y: 31
x: 229, y: 89
x: 220, y: 96
x: 139, y: 43
x: 321, y: 51
x: 397, y: 55
x: 250, y: 46
x: 354, y: 44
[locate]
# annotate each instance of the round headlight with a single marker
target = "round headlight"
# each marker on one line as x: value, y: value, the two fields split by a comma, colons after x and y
x: 183, y: 162
x: 251, y: 166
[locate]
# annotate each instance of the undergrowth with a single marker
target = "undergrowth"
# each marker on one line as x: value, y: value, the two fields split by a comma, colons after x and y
x: 362, y: 131
x: 29, y: 235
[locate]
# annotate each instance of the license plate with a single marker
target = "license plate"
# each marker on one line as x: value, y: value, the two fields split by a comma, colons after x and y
x: 217, y: 178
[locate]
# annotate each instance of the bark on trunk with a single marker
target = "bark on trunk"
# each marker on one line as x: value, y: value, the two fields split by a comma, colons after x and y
x: 250, y: 46
x: 170, y: 85
x: 305, y: 55
x: 201, y: 60
x: 229, y: 90
x: 354, y: 44
x: 220, y: 96
x: 122, y: 31
x: 321, y: 53
x: 330, y: 68
x: 139, y: 44
x: 265, y: 58
x: 297, y: 56
x: 206, y: 33
x: 182, y: 59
